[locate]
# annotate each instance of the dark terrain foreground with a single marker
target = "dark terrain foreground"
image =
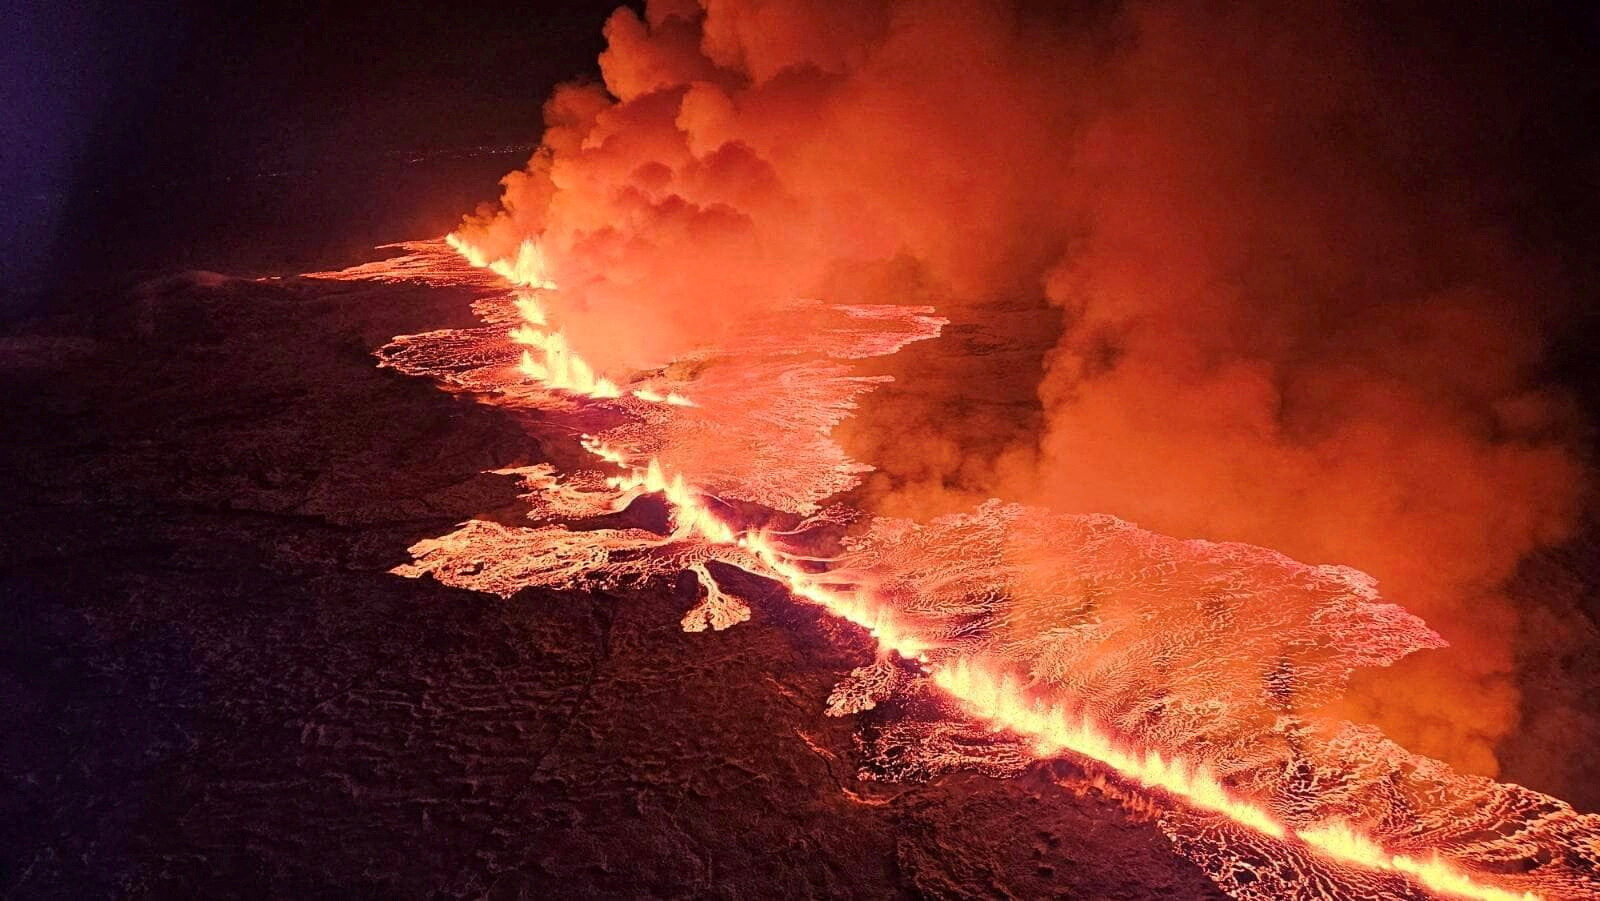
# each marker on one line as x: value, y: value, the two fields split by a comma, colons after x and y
x: 212, y: 687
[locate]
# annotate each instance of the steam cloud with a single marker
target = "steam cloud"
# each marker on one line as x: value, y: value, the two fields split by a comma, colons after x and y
x: 1291, y: 310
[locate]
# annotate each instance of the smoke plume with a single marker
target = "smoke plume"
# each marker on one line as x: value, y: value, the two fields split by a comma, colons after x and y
x: 1257, y: 275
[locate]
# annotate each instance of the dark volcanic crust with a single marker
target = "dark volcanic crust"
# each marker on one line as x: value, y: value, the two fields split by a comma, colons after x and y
x: 213, y: 688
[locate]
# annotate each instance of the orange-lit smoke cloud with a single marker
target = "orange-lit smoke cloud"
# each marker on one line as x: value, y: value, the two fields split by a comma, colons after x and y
x: 1292, y: 322
x: 1287, y: 312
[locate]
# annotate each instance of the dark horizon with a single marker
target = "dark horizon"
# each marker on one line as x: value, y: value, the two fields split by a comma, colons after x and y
x: 136, y: 132
x: 260, y: 137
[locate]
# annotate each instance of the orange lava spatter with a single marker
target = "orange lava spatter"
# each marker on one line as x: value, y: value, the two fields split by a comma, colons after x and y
x: 1194, y: 672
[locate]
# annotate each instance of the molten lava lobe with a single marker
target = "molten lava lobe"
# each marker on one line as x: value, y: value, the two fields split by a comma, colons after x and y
x: 865, y: 687
x: 717, y: 609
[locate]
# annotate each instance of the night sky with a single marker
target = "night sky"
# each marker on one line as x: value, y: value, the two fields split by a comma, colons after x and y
x: 143, y: 136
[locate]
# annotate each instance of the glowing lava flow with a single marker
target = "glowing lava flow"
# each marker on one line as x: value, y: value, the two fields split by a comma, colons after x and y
x: 1339, y: 841
x: 997, y: 698
x: 977, y: 614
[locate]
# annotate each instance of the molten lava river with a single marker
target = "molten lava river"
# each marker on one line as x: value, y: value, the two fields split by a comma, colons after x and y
x: 1183, y: 676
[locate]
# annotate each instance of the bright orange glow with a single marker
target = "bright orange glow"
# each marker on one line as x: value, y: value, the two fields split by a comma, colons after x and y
x: 1340, y: 841
x: 564, y: 370
x: 671, y: 398
x: 551, y: 361
x: 525, y: 269
x: 998, y: 699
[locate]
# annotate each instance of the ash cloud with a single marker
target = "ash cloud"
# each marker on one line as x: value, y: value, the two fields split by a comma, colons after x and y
x: 1277, y: 286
